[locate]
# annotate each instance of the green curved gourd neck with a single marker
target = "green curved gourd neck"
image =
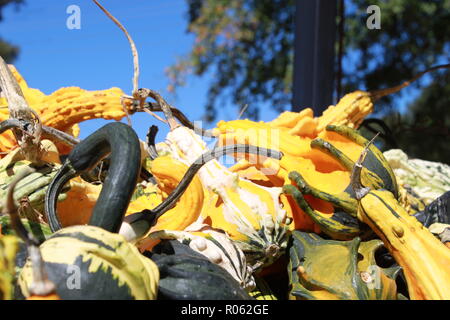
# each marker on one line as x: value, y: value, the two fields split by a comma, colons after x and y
x: 122, y: 143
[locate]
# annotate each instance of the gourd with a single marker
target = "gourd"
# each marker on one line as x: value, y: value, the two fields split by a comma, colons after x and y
x: 65, y: 108
x: 423, y: 258
x: 350, y: 110
x: 87, y: 262
x: 30, y: 191
x: 437, y: 211
x: 343, y: 270
x: 250, y: 214
x: 188, y: 275
x: 441, y: 230
x: 40, y: 231
x: 310, y: 158
x: 168, y: 173
x: 119, y: 140
x: 262, y: 290
x: 90, y: 262
x: 137, y: 227
x: 32, y: 188
x: 217, y: 247
x: 338, y: 218
x: 426, y: 179
x: 78, y: 196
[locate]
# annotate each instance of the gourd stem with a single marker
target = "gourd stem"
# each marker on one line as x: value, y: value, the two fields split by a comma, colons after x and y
x: 60, y: 136
x: 355, y: 178
x: 122, y: 143
x: 64, y: 174
x: 164, y: 106
x: 19, y: 109
x: 378, y: 94
x: 49, y: 131
x: 151, y: 135
x: 9, y: 124
x: 132, y: 45
x: 180, y: 117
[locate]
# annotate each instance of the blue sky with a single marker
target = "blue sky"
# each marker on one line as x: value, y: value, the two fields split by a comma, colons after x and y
x: 98, y: 56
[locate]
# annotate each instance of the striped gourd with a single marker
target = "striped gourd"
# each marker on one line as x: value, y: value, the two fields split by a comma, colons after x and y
x: 423, y: 258
x: 33, y: 187
x: 426, y: 179
x: 262, y: 290
x: 215, y: 245
x: 87, y: 262
x: 187, y: 275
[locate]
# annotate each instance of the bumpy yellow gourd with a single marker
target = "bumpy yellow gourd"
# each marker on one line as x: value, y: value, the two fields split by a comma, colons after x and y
x: 349, y: 111
x: 293, y: 147
x: 64, y: 108
x: 168, y: 173
x: 300, y: 154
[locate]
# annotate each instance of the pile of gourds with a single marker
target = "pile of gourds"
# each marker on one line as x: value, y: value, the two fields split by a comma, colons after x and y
x: 310, y: 209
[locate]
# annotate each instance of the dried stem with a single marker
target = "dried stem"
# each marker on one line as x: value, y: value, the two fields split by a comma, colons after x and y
x: 242, y: 111
x: 29, y: 136
x: 180, y: 116
x: 378, y: 94
x: 355, y: 178
x: 143, y: 94
x: 155, y: 115
x: 130, y: 40
x: 151, y: 136
x: 125, y: 109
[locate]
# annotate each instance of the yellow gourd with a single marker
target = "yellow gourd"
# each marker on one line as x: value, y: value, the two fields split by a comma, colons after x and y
x: 64, y: 108
x: 249, y: 213
x: 168, y: 173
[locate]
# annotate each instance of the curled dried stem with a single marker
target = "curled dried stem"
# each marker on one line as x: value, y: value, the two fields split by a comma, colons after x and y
x: 130, y: 40
x: 378, y: 94
x: 144, y: 93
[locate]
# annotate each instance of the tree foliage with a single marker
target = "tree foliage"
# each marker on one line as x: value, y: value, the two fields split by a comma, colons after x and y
x: 7, y: 51
x: 424, y: 131
x: 414, y: 36
x: 248, y: 45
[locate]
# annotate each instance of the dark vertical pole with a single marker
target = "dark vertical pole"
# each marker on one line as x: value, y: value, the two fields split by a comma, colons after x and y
x: 314, y: 57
